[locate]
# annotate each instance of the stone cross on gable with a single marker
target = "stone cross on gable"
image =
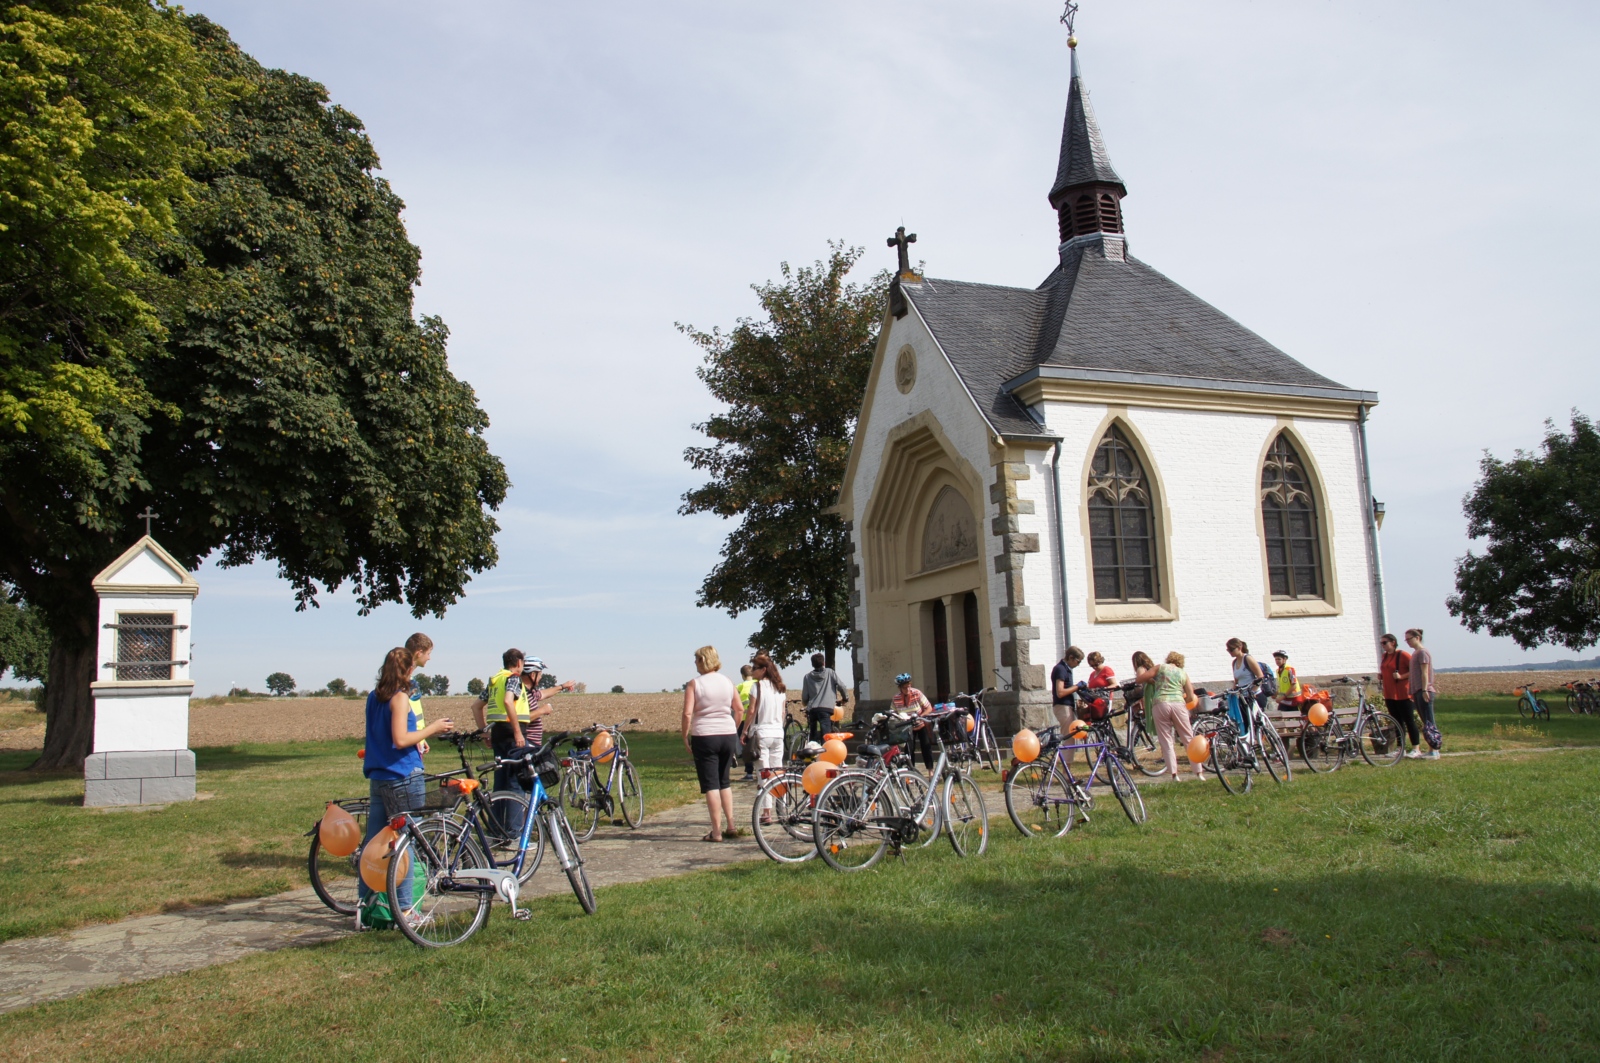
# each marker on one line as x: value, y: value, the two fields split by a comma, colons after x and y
x: 147, y: 517
x: 903, y: 241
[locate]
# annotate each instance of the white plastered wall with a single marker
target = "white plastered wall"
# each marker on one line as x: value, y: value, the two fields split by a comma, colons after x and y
x: 1209, y: 468
x: 938, y: 392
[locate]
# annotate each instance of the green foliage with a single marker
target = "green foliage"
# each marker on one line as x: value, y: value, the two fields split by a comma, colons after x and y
x: 475, y: 687
x: 792, y: 385
x: 618, y: 689
x: 281, y: 683
x: 339, y: 688
x: 24, y: 641
x: 293, y: 406
x: 435, y: 685
x: 100, y: 101
x: 548, y: 680
x: 1540, y: 513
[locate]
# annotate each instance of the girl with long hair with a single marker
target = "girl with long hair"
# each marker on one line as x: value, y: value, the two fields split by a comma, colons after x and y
x: 766, y: 719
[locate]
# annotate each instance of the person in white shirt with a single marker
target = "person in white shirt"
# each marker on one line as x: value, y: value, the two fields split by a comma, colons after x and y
x: 766, y: 718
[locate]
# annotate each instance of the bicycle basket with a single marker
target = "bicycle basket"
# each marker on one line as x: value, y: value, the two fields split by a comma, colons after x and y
x: 896, y: 731
x: 437, y: 797
x: 953, y: 730
x: 549, y: 772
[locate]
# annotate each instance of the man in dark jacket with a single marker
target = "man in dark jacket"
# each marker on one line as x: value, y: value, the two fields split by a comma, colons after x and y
x: 821, y: 691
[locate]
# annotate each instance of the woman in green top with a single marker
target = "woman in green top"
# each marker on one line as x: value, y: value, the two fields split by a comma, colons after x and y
x: 1168, y: 694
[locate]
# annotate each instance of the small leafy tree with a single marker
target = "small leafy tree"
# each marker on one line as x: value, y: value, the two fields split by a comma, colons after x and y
x: 475, y: 687
x: 1540, y: 513
x: 280, y: 683
x: 338, y: 688
x: 548, y: 680
x: 24, y: 641
x: 440, y: 687
x: 792, y: 385
x: 618, y: 689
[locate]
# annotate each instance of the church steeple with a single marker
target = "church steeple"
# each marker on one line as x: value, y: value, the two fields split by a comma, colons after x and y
x: 1087, y: 195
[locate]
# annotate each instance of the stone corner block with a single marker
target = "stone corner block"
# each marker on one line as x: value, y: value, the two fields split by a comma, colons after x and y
x: 1032, y: 676
x: 1024, y: 543
x: 185, y: 765
x: 152, y: 764
x: 1008, y: 562
x: 94, y: 766
x: 98, y: 793
x: 1014, y: 615
x: 165, y: 791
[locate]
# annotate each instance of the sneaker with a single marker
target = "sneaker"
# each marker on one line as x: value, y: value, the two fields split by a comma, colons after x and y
x: 1415, y: 754
x: 1433, y: 754
x: 749, y: 776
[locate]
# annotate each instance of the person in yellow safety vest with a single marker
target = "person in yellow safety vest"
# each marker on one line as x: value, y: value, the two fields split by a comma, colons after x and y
x: 746, y: 685
x: 503, y: 708
x: 1289, y: 692
x: 421, y: 647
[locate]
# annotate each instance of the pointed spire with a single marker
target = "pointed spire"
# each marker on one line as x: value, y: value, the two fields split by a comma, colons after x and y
x: 1087, y: 192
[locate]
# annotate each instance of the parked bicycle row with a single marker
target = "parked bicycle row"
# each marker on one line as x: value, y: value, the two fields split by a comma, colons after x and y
x: 1583, y: 698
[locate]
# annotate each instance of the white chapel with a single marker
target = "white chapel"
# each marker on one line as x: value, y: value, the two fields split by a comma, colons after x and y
x: 1104, y: 461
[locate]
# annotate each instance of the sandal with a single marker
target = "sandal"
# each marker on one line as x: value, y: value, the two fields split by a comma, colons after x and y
x: 710, y: 838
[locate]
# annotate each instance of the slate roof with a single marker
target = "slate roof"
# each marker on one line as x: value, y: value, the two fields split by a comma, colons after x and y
x: 1097, y: 312
x: 1083, y: 152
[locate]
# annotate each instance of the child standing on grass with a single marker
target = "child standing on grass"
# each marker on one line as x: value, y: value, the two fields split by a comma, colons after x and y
x: 746, y: 685
x: 1423, y: 690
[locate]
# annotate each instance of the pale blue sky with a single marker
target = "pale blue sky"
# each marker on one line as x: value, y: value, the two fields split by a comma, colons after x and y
x: 1399, y: 195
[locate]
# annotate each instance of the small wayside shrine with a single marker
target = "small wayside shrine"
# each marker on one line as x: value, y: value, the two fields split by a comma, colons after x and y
x: 1105, y: 460
x: 142, y: 686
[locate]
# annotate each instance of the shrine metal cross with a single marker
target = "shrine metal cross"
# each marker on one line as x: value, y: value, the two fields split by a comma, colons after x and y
x: 903, y: 241
x: 147, y: 517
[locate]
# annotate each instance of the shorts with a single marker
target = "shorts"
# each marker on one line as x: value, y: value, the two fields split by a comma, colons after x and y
x: 713, y: 757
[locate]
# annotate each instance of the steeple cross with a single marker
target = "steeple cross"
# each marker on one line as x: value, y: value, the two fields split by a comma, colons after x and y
x: 147, y: 517
x: 903, y: 241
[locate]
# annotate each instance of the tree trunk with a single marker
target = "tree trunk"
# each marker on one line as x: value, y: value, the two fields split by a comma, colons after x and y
x: 68, y: 704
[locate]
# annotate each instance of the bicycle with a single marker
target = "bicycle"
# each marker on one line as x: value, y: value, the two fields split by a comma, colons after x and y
x: 499, y: 814
x: 860, y: 814
x: 980, y: 735
x: 582, y: 791
x: 1136, y: 745
x: 1582, y: 697
x: 1044, y: 796
x: 1375, y: 735
x: 459, y: 878
x: 335, y: 878
x: 1237, y: 754
x: 1531, y: 706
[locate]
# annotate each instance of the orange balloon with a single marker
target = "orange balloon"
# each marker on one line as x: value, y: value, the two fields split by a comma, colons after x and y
x: 1199, y: 749
x: 1078, y: 731
x: 375, y: 860
x: 838, y: 713
x: 833, y: 751
x: 338, y: 832
x: 972, y: 724
x: 602, y: 748
x: 1025, y: 746
x: 843, y: 736
x: 1318, y: 715
x: 816, y: 776
x: 1192, y: 704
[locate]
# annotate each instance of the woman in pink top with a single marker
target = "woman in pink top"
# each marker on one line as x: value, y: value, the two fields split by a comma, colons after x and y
x: 712, y: 715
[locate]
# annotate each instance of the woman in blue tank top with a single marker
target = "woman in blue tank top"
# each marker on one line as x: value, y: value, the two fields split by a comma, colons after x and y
x: 393, y: 763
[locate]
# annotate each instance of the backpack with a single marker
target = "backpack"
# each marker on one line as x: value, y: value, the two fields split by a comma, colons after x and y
x: 1430, y: 731
x: 374, y: 913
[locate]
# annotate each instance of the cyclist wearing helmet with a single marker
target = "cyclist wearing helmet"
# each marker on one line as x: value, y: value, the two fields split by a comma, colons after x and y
x: 532, y: 673
x: 910, y: 699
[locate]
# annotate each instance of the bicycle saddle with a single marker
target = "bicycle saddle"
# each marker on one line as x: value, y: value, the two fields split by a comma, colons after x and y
x: 875, y: 750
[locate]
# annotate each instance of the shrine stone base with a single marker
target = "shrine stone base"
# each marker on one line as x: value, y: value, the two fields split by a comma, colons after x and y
x: 141, y: 777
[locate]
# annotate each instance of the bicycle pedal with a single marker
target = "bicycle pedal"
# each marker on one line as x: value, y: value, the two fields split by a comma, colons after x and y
x: 523, y: 914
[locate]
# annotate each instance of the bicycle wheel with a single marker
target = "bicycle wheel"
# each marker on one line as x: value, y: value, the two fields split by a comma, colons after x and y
x: 631, y: 794
x: 794, y: 737
x: 1207, y: 724
x: 785, y: 833
x: 913, y: 789
x: 1231, y: 761
x: 966, y: 816
x: 578, y: 798
x: 440, y: 914
x: 1141, y: 743
x: 842, y: 825
x: 1038, y: 801
x: 1320, y: 748
x: 335, y: 878
x: 572, y: 858
x: 1380, y: 741
x: 1273, y: 752
x: 503, y: 831
x: 1127, y: 792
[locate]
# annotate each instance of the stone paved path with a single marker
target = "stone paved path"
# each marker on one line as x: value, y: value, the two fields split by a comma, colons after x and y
x: 36, y: 970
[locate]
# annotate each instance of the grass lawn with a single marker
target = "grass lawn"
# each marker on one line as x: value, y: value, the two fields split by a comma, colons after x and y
x: 63, y: 865
x: 1492, y: 723
x: 1433, y: 911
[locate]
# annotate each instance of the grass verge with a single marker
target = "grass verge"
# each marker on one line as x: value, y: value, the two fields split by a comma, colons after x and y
x: 1440, y: 911
x: 64, y: 865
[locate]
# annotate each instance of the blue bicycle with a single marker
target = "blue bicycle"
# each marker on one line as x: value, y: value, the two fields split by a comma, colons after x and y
x: 459, y: 875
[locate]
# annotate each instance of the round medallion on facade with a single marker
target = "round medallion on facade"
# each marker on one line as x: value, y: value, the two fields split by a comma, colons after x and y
x: 905, y: 370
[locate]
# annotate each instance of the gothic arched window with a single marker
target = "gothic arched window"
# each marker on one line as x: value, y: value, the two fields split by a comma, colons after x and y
x: 1289, y: 518
x: 1122, y: 534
